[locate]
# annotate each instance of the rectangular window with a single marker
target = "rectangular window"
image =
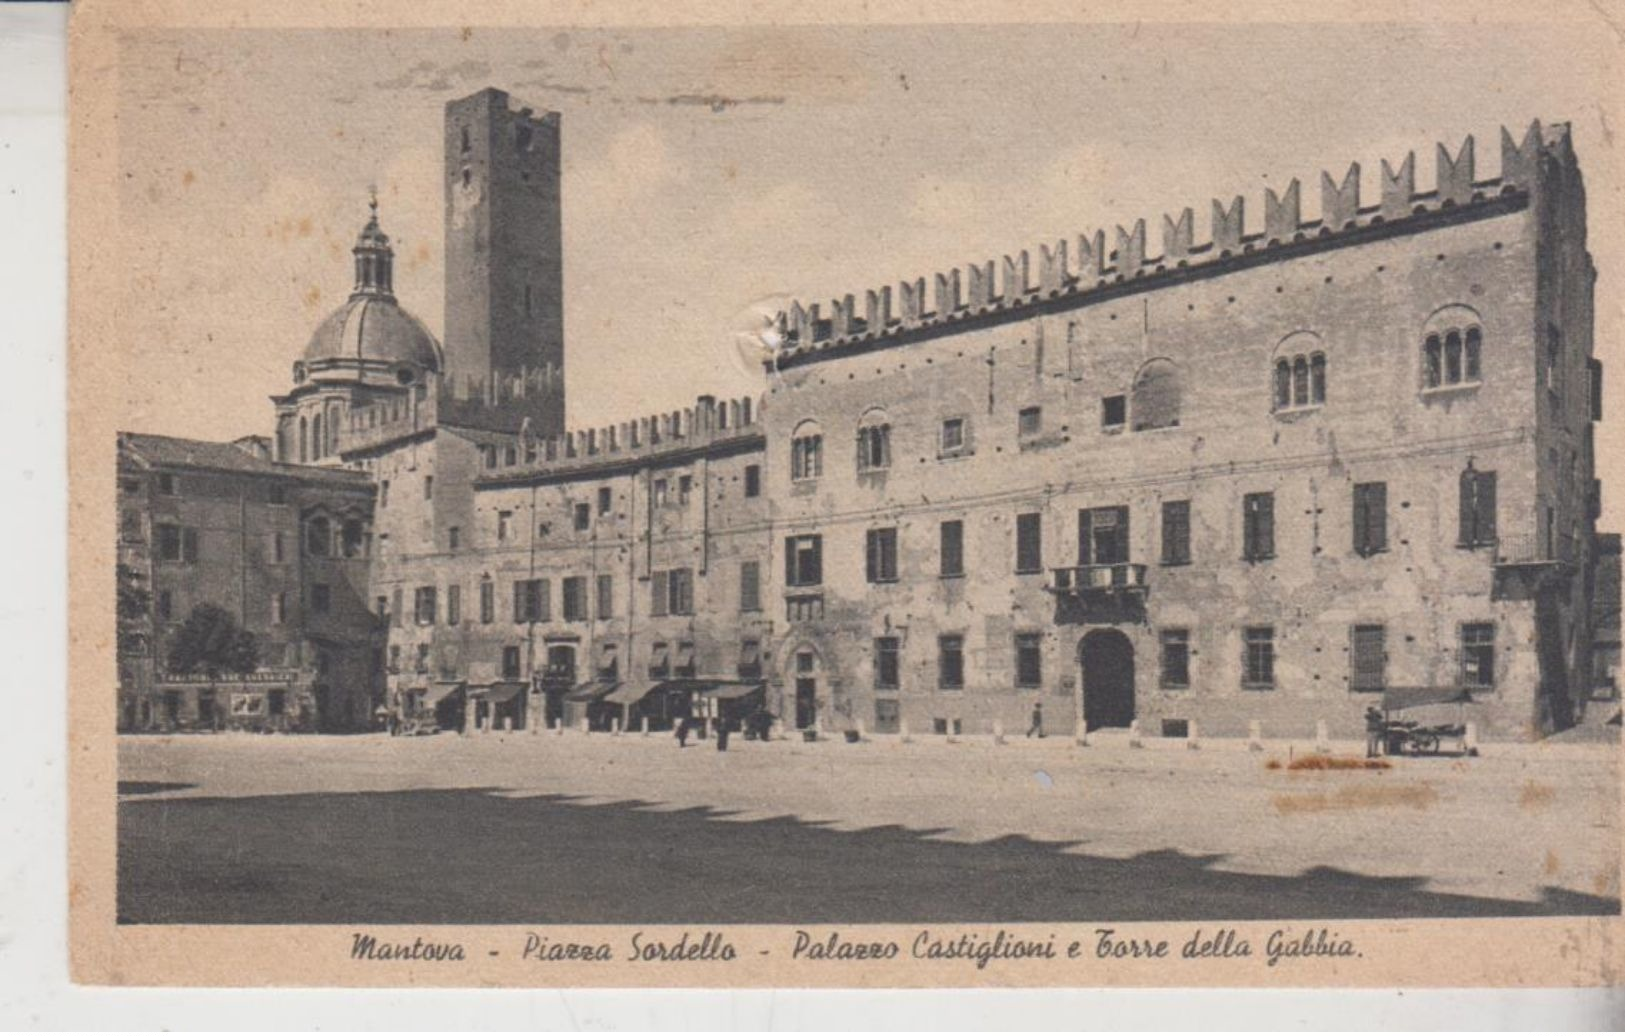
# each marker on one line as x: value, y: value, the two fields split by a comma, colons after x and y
x: 1258, y: 526
x: 380, y: 608
x: 532, y: 600
x: 953, y: 435
x: 1176, y: 659
x: 168, y: 540
x: 1103, y: 536
x: 1370, y: 518
x: 951, y: 662
x: 753, y: 480
x: 874, y: 447
x: 1478, y: 654
x: 1368, y: 658
x: 659, y: 660
x: 683, y: 664
x: 803, y: 560
x: 1029, y: 543
x: 1258, y: 657
x: 659, y: 492
x: 510, y: 662
x: 1029, y: 660
x: 321, y: 598
x: 1113, y: 412
x: 166, y: 485
x: 396, y: 612
x: 422, y: 664
x: 604, y: 501
x: 1176, y: 532
x: 1029, y: 421
x: 488, y: 601
x: 504, y: 525
x: 383, y: 493
x: 750, y: 586
x: 454, y: 537
x: 952, y: 552
x: 130, y: 527
x: 575, y: 598
x: 685, y: 489
x: 682, y: 591
x: 279, y: 608
x: 583, y: 517
x: 428, y: 487
x: 454, y: 605
x: 880, y: 563
x: 606, y: 597
x: 886, y: 667
x: 423, y: 606
x: 394, y: 658
x: 609, y: 661
x: 1477, y: 503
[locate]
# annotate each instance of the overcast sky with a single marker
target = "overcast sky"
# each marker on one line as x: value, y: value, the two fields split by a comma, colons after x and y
x: 706, y: 169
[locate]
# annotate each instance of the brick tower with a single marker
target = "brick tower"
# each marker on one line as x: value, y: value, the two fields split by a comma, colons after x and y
x: 504, y: 263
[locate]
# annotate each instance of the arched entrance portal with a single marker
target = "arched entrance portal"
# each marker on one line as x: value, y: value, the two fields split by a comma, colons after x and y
x: 1107, y: 658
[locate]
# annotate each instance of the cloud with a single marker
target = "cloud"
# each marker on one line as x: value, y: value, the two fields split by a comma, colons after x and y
x: 716, y: 102
x: 430, y: 75
x: 545, y: 84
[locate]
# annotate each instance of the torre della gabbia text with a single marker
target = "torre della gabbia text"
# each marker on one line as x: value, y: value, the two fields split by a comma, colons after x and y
x: 1242, y: 479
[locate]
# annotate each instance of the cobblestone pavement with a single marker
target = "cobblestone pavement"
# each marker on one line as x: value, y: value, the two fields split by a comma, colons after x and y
x: 583, y: 828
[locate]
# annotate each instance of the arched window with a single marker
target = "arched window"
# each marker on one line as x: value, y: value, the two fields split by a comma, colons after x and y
x: 1452, y: 348
x: 318, y: 537
x: 352, y: 538
x: 1300, y: 372
x: 316, y: 437
x: 1155, y: 398
x: 304, y: 445
x: 874, y: 441
x: 806, y: 452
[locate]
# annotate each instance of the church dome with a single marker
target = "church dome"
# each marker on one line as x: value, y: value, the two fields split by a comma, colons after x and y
x: 376, y: 328
x: 372, y: 327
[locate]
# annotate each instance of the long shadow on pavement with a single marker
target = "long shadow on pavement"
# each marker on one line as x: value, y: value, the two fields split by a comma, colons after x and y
x: 476, y: 857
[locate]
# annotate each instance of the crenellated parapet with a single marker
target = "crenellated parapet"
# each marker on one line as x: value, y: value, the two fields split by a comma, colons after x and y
x: 1102, y: 261
x: 710, y: 423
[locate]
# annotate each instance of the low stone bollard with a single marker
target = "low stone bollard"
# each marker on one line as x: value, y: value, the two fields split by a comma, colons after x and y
x: 1469, y: 739
x: 507, y: 724
x: 643, y: 725
x: 1134, y: 740
x: 998, y: 732
x: 1255, y: 736
x: 902, y: 731
x: 1323, y: 741
x: 1191, y: 740
x: 615, y: 726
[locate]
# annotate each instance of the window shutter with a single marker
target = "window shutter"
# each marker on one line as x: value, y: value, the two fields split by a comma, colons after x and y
x: 1122, y: 534
x: 1266, y: 525
x: 1485, y: 507
x: 871, y: 562
x: 1377, y: 516
x: 658, y: 589
x: 1467, y: 533
x: 816, y: 575
x: 189, y: 544
x: 1085, y: 538
x: 1362, y: 520
x: 790, y: 562
x: 544, y: 600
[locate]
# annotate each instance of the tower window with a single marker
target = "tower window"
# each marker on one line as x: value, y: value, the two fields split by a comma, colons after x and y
x: 468, y: 176
x: 467, y: 144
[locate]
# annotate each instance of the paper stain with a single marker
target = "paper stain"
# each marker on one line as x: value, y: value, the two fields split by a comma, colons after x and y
x: 1536, y: 797
x: 312, y: 297
x: 1044, y: 780
x: 1552, y: 864
x: 188, y: 178
x: 1359, y: 796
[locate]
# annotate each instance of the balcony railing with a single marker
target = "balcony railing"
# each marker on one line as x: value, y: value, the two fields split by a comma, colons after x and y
x: 1523, y: 548
x: 1086, y: 578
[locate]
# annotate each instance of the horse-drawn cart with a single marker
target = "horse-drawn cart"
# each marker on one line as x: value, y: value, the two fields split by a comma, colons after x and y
x: 1407, y: 736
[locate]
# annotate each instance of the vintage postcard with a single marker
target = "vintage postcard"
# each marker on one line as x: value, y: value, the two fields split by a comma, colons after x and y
x: 741, y: 495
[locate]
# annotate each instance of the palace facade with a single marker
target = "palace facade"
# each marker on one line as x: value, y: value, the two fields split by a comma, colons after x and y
x: 1252, y: 478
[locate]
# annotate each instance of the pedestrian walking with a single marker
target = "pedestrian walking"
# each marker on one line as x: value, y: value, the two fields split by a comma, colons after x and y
x: 682, y: 732
x: 1373, y: 732
x: 1037, y: 728
x: 722, y: 736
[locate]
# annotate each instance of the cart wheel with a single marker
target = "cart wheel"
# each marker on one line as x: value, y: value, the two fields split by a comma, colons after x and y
x: 1427, y: 743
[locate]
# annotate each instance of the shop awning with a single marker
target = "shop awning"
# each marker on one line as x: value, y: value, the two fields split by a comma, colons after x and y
x: 730, y: 691
x: 1395, y: 699
x: 501, y: 691
x: 440, y: 690
x: 631, y: 693
x: 592, y: 690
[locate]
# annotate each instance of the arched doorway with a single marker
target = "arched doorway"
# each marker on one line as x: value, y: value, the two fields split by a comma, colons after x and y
x: 1107, y: 659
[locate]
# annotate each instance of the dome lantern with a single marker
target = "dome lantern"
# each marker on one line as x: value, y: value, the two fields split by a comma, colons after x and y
x: 374, y: 259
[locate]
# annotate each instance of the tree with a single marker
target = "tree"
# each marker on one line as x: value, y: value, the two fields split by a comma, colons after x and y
x: 211, y: 642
